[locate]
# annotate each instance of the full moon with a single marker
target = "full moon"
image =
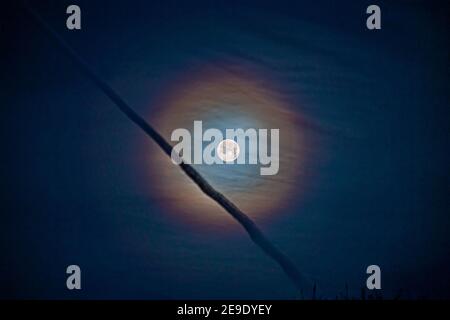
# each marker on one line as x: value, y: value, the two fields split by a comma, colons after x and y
x: 228, y: 150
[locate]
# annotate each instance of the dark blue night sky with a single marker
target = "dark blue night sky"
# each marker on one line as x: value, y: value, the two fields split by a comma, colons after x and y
x: 74, y: 183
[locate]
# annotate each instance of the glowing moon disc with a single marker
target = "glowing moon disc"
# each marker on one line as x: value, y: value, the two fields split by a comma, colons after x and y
x: 228, y: 150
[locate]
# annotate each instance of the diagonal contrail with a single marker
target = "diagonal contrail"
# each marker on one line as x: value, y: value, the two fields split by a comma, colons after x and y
x: 253, y: 231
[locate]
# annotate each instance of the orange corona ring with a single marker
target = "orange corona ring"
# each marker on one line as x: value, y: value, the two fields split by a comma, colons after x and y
x: 226, y: 99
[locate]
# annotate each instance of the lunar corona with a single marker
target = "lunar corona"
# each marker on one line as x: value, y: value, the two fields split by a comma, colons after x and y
x: 224, y: 101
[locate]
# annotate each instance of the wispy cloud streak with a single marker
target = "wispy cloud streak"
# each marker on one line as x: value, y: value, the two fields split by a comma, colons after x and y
x: 253, y: 231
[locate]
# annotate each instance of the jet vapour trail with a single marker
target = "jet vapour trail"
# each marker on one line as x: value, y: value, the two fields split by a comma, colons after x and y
x: 253, y: 231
